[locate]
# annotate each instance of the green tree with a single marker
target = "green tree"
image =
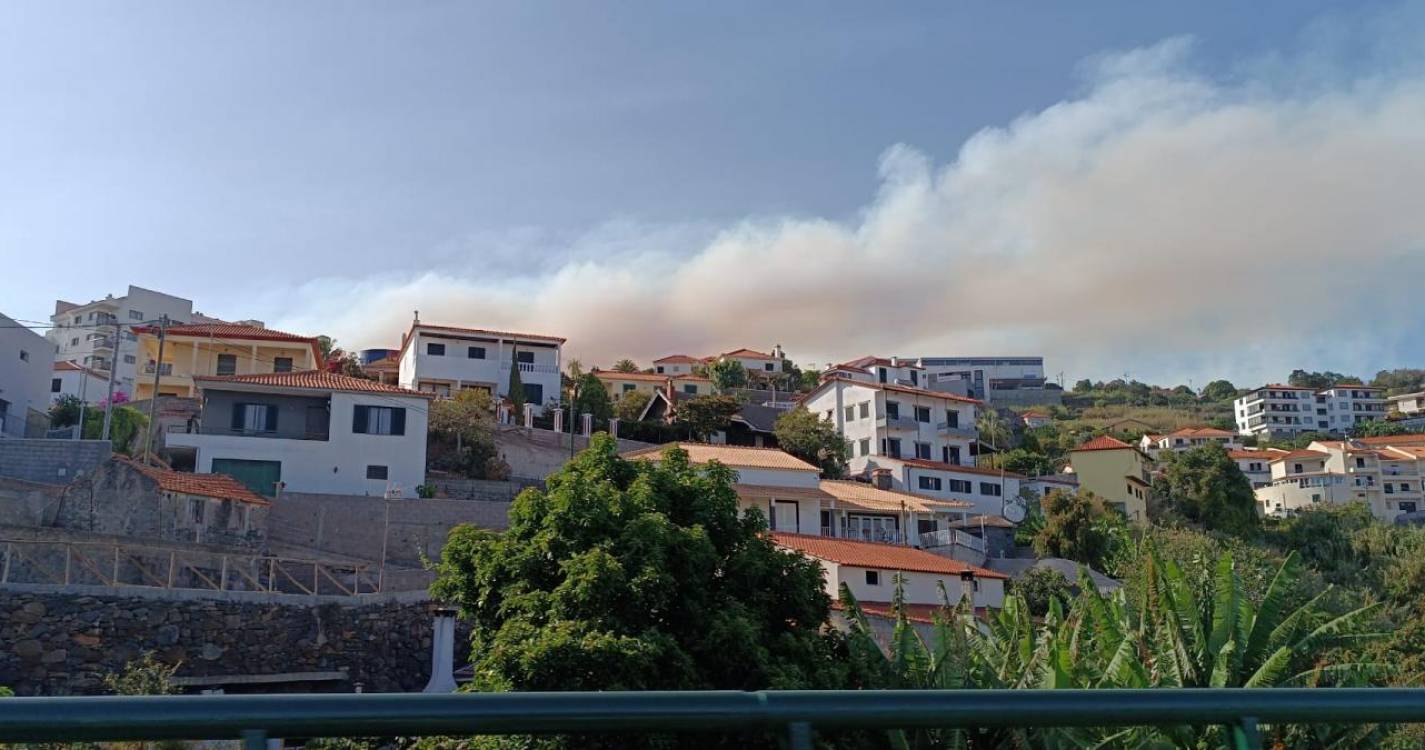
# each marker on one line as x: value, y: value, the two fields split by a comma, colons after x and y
x: 1326, y: 379
x: 804, y: 435
x: 65, y: 411
x: 593, y: 398
x: 462, y: 434
x: 727, y: 374
x: 1219, y: 390
x: 702, y: 416
x: 1081, y: 528
x: 1402, y: 380
x: 808, y: 379
x: 145, y: 675
x: 1083, y: 386
x: 993, y: 428
x: 636, y: 575
x: 1379, y: 428
x: 515, y: 392
x: 1206, y: 487
x: 630, y: 406
x: 1029, y: 463
x: 625, y: 365
x: 1040, y: 588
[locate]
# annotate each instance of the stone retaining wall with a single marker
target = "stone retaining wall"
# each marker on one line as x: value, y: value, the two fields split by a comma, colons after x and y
x: 51, y: 461
x: 63, y: 643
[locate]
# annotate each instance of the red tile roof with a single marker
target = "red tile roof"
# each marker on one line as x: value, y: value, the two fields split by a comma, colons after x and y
x: 921, y: 463
x: 1410, y: 439
x: 690, y: 376
x: 1201, y: 432
x: 975, y: 522
x: 220, y: 486
x: 734, y: 456
x: 1301, y: 454
x: 868, y: 497
x: 1104, y: 443
x: 862, y: 363
x: 616, y: 375
x: 228, y: 331
x: 747, y: 354
x: 1247, y: 454
x: 486, y: 332
x: 316, y: 380
x: 893, y: 388
x: 882, y: 556
x: 677, y: 359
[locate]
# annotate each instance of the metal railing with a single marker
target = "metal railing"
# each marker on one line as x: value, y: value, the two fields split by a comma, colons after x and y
x: 795, y: 714
x: 949, y: 537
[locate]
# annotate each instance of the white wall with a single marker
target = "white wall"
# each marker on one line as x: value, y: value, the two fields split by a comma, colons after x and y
x: 24, y: 382
x: 837, y: 397
x: 919, y: 588
x: 136, y: 307
x: 456, y: 365
x: 779, y: 477
x: 85, y: 385
x: 337, y: 465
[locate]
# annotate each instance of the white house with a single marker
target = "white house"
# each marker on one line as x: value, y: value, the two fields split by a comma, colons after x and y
x: 86, y: 384
x: 675, y: 364
x: 444, y: 360
x: 754, y: 361
x: 987, y: 491
x: 885, y: 420
x: 1292, y: 410
x: 1408, y: 404
x: 862, y: 511
x: 95, y: 334
x: 26, y: 359
x: 1187, y: 438
x: 311, y: 431
x: 892, y: 370
x: 870, y: 570
x: 1256, y: 464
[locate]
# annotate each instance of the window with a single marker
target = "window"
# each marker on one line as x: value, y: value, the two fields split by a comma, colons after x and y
x: 130, y: 359
x: 850, y: 412
x: 922, y: 414
x: 690, y: 389
x: 930, y: 483
x: 922, y: 450
x: 79, y: 319
x: 130, y: 336
x: 659, y: 369
x: 378, y: 420
x: 865, y: 446
x: 1297, y: 468
x: 227, y: 364
x: 768, y: 366
x: 865, y: 409
x: 881, y: 374
x: 135, y: 315
x: 952, y: 418
x: 952, y: 454
x: 893, y: 447
x: 893, y: 410
x: 254, y: 418
x: 435, y: 350
x: 55, y: 385
x: 1360, y: 463
x: 475, y: 352
x: 524, y: 357
x: 281, y: 364
x: 74, y: 341
x: 873, y: 577
x: 628, y: 387
x: 195, y: 510
x: 376, y: 472
x: 961, y: 485
x: 990, y: 488
x: 24, y: 356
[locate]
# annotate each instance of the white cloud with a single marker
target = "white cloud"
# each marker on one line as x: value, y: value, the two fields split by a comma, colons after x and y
x: 1162, y: 223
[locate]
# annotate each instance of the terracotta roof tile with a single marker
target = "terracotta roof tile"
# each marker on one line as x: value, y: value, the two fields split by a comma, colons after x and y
x: 640, y: 376
x: 1411, y: 439
x: 220, y: 486
x: 316, y: 380
x: 1248, y: 454
x: 734, y: 456
x: 881, y: 556
x: 975, y: 522
x: 677, y: 359
x: 228, y: 331
x: 1293, y: 455
x: 764, y: 492
x: 1201, y: 432
x: 922, y: 463
x: 868, y: 497
x: 747, y: 354
x: 690, y: 376
x: 1103, y: 443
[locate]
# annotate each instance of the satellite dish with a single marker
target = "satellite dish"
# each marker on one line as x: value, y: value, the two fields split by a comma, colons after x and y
x: 1014, y: 510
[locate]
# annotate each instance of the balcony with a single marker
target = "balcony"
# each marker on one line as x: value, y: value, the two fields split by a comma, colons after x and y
x: 165, y: 370
x: 790, y: 714
x: 898, y: 423
x: 955, y: 430
x: 950, y: 537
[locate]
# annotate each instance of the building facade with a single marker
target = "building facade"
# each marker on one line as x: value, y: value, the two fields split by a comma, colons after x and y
x: 1118, y: 473
x: 100, y: 333
x: 1287, y: 410
x: 86, y: 384
x: 310, y: 431
x: 1385, y: 473
x: 872, y: 572
x: 222, y: 349
x: 1007, y: 381
x: 895, y: 421
x: 444, y: 360
x: 26, y: 365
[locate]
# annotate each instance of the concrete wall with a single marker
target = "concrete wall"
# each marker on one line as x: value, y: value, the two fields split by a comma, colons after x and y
x: 58, y: 643
x: 352, y: 525
x: 26, y: 364
x: 51, y: 461
x: 535, y: 454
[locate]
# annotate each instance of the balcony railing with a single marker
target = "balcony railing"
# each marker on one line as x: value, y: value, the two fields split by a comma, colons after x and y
x: 794, y: 714
x: 950, y: 537
x: 954, y: 430
x: 898, y: 423
x: 531, y: 367
x: 165, y: 370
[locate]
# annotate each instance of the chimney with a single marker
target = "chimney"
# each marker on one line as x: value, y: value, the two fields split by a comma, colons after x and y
x: 417, y: 317
x: 881, y: 479
x: 442, y: 652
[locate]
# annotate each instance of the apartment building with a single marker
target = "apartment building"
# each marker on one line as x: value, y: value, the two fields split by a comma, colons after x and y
x: 1005, y: 381
x: 443, y: 360
x: 1118, y: 473
x: 893, y: 371
x: 884, y: 419
x: 222, y: 349
x: 1292, y: 410
x: 26, y: 360
x: 99, y: 333
x: 311, y: 431
x: 1384, y: 473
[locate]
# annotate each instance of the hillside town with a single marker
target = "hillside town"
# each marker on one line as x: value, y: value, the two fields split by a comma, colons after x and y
x: 226, y: 456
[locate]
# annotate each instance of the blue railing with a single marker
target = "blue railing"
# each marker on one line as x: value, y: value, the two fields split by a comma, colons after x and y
x: 796, y: 714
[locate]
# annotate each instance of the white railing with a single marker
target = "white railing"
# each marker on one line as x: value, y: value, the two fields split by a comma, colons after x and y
x: 949, y: 537
x: 531, y: 367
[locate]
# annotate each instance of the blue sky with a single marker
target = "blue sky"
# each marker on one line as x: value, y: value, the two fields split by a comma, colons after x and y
x: 840, y: 178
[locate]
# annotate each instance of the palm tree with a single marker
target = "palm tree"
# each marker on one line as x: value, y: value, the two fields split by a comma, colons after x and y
x: 625, y: 365
x: 993, y: 429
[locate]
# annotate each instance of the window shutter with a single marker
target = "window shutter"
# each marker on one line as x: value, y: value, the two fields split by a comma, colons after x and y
x: 271, y: 417
x: 398, y: 421
x: 237, y: 415
x: 358, y: 419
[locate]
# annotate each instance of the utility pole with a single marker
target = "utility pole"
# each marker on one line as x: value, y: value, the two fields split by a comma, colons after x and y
x: 153, y: 398
x: 109, y: 400
x: 83, y: 401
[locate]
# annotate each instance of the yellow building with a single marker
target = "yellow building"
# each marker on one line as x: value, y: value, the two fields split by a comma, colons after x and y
x: 216, y: 349
x: 1118, y: 473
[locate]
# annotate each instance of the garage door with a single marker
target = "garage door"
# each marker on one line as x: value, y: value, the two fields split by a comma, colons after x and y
x: 259, y: 476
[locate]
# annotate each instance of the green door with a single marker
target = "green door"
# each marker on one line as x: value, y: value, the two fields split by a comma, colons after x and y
x: 259, y: 476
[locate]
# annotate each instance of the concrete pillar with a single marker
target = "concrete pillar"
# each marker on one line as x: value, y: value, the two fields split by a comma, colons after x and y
x: 588, y: 424
x: 613, y: 426
x: 504, y: 414
x: 529, y: 416
x: 442, y: 653
x: 559, y: 420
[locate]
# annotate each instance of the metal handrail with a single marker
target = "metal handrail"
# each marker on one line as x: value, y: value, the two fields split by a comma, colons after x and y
x: 256, y: 717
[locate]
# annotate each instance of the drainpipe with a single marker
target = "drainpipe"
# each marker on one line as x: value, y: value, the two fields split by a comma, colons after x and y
x: 442, y: 652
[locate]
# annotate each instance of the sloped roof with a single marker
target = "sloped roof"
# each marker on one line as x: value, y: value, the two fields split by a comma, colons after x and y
x: 922, y: 463
x: 1103, y: 443
x: 220, y: 486
x: 1415, y: 438
x: 735, y: 456
x: 889, y: 387
x: 747, y: 354
x: 648, y: 377
x: 67, y: 366
x: 975, y: 522
x: 228, y: 331
x: 763, y: 492
x: 1293, y: 455
x: 677, y: 359
x: 316, y: 380
x: 870, y: 497
x: 759, y: 417
x: 882, y: 556
x: 1200, y: 432
x: 485, y: 332
x: 1247, y: 454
